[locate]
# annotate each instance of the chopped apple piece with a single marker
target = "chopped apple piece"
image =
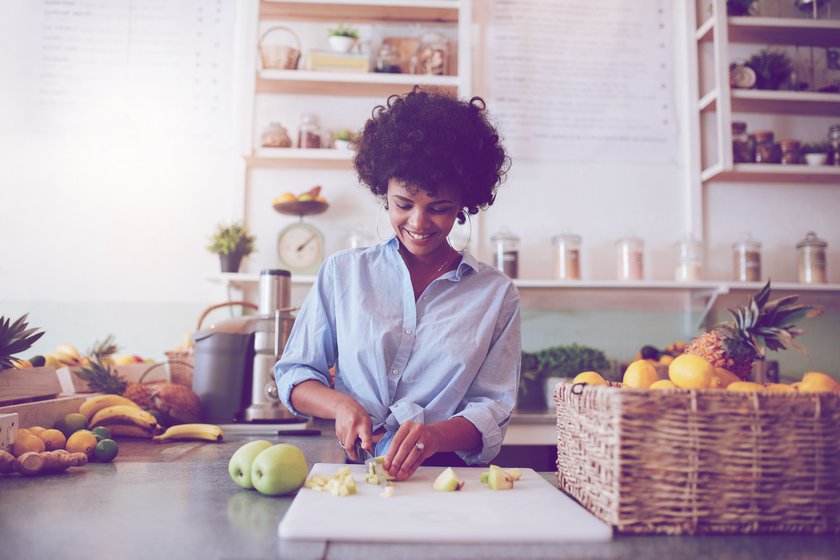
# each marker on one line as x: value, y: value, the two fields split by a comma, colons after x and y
x: 447, y: 481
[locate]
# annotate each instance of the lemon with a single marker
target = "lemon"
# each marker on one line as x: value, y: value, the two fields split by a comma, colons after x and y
x: 818, y: 382
x: 663, y: 384
x: 53, y: 439
x: 26, y: 442
x: 640, y: 375
x: 590, y: 377
x: 721, y: 378
x: 82, y: 441
x: 36, y: 430
x: 691, y: 372
x: 745, y: 387
x: 779, y: 388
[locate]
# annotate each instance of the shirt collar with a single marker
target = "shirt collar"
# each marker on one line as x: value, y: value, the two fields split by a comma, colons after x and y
x: 468, y: 261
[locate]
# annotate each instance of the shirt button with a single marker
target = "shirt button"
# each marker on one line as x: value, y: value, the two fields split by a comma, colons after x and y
x: 395, y: 371
x: 407, y: 331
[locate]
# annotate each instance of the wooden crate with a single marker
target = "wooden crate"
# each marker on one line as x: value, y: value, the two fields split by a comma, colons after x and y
x: 22, y: 385
x: 681, y: 461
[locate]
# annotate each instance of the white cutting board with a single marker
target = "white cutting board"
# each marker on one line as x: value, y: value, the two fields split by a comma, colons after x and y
x: 533, y: 511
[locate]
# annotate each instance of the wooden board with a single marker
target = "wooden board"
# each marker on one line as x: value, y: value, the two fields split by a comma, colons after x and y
x: 534, y: 511
x: 20, y: 385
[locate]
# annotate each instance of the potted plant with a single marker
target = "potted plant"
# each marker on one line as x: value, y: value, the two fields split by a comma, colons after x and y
x: 739, y: 7
x: 772, y: 68
x: 342, y: 38
x: 815, y: 153
x: 542, y: 370
x: 232, y: 243
x: 343, y: 139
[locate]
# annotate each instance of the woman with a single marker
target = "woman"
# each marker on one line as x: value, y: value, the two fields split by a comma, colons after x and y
x: 425, y: 340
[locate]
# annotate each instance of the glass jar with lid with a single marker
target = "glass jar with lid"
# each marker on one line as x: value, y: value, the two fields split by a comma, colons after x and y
x: 506, y: 252
x: 309, y: 131
x: 388, y: 60
x: 743, y: 149
x: 790, y: 152
x: 834, y: 140
x: 746, y: 259
x: 275, y: 135
x: 432, y: 56
x: 630, y: 258
x: 689, y: 260
x: 766, y: 150
x: 812, y: 263
x: 566, y: 256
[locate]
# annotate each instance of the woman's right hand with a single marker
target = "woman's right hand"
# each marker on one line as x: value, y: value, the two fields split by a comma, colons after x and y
x: 352, y: 422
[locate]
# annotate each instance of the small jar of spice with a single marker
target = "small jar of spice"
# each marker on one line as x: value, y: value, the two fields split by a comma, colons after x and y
x: 790, y: 152
x: 309, y: 132
x: 765, y: 150
x: 746, y: 259
x: 743, y: 149
x: 566, y: 256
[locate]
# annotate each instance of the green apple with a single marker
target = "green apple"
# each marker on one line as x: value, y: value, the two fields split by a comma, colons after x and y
x: 280, y: 469
x: 498, y: 479
x: 447, y: 481
x: 241, y: 461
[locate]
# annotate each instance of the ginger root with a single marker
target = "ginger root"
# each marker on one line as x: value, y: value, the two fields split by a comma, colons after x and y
x: 32, y: 462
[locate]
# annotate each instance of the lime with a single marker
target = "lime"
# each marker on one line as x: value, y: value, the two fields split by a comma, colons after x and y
x: 106, y: 450
x: 71, y: 423
x: 101, y: 432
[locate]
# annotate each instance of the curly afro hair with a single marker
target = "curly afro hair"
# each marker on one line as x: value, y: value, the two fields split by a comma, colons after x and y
x: 431, y: 141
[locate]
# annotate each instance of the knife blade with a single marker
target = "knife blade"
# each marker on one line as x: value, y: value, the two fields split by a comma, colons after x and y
x: 376, y: 472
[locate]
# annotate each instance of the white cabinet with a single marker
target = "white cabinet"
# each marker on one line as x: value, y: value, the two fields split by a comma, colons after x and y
x: 716, y: 40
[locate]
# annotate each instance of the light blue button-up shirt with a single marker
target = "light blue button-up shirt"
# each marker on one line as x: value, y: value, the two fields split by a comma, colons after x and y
x: 456, y: 351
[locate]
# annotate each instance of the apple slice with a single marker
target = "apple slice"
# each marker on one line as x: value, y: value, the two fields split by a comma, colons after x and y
x: 447, y: 481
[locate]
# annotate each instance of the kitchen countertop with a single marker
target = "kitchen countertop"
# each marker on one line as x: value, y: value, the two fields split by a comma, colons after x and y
x: 177, y: 500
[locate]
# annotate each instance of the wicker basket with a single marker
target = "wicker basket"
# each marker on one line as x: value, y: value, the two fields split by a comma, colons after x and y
x: 182, y: 362
x: 680, y: 461
x: 279, y: 57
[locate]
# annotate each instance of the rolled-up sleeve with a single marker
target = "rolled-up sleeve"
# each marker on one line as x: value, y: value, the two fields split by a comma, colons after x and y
x: 489, y: 402
x: 311, y: 349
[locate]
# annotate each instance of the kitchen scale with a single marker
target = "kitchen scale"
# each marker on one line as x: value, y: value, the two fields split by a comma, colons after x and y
x: 300, y: 245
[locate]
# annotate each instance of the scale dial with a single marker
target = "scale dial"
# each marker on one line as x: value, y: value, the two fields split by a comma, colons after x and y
x: 300, y: 248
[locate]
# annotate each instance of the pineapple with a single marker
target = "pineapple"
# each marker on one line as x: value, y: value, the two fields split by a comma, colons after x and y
x: 104, y: 351
x: 759, y: 326
x: 15, y: 337
x: 101, y: 380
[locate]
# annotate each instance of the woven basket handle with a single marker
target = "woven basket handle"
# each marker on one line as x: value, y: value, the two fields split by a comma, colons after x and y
x: 245, y: 304
x: 279, y: 28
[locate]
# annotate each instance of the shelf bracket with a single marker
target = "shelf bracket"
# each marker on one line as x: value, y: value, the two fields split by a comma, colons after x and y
x: 711, y: 297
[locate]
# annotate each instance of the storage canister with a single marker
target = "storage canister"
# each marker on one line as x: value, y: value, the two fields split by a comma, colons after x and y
x: 743, y: 149
x: 790, y: 152
x: 506, y: 252
x: 630, y: 253
x: 566, y: 256
x: 812, y: 264
x: 746, y: 259
x: 766, y: 151
x: 834, y: 140
x: 309, y: 132
x: 689, y: 260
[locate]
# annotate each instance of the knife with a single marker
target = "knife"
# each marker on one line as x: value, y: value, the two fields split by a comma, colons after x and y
x: 376, y: 472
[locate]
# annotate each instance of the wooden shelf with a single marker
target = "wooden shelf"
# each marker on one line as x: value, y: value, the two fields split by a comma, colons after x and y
x: 368, y: 11
x: 774, y: 173
x: 767, y: 101
x: 784, y: 31
x: 287, y: 157
x: 346, y: 83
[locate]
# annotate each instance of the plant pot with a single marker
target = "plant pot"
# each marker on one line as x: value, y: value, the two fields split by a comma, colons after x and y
x: 339, y: 43
x: 342, y: 145
x: 230, y: 262
x: 817, y: 158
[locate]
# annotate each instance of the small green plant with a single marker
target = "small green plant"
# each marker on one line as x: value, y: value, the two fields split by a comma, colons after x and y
x: 739, y: 7
x: 342, y: 30
x: 345, y: 135
x: 234, y: 238
x: 772, y: 68
x: 815, y: 147
x: 560, y: 361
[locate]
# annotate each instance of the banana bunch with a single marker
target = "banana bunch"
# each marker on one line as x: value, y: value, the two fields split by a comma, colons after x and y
x: 65, y: 355
x: 122, y: 417
x: 202, y: 432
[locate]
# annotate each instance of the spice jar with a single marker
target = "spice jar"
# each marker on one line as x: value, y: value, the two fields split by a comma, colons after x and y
x: 746, y: 259
x: 275, y: 135
x: 689, y: 260
x: 812, y: 265
x: 743, y: 150
x: 309, y: 132
x: 506, y: 252
x: 388, y: 60
x: 566, y: 256
x: 765, y: 150
x: 834, y: 140
x: 790, y: 152
x: 630, y: 253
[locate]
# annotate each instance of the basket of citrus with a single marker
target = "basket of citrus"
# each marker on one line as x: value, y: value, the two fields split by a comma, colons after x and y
x: 705, y: 451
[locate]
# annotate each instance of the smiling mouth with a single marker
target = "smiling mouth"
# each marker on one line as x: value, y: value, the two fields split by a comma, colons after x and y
x: 418, y: 236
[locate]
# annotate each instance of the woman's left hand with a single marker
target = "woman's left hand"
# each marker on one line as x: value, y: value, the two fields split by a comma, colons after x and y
x: 413, y: 443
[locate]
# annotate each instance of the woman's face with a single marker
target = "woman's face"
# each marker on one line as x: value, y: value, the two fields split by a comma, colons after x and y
x: 422, y: 220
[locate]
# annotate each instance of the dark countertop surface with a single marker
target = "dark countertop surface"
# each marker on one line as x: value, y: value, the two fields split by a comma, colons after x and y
x: 176, y: 500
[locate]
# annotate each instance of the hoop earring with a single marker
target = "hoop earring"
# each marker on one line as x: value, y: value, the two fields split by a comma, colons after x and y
x: 469, y: 236
x: 378, y: 213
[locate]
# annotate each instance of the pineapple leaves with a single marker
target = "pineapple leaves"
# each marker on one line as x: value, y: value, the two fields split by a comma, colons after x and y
x: 762, y: 296
x: 14, y: 338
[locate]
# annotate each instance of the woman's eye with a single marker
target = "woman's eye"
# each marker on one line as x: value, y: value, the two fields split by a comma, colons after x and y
x: 441, y: 210
x: 403, y: 206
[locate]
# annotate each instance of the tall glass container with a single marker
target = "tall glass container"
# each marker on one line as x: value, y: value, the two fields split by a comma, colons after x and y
x: 689, y: 260
x: 812, y: 264
x: 506, y: 252
x: 630, y: 258
x: 566, y: 256
x: 834, y: 140
x: 746, y: 259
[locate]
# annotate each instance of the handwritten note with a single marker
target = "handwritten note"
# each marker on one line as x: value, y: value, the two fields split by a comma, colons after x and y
x: 583, y: 81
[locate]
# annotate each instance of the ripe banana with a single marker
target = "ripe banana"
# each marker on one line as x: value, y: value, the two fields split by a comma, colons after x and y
x: 208, y: 432
x: 130, y: 430
x: 94, y: 404
x: 66, y: 354
x: 123, y: 414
